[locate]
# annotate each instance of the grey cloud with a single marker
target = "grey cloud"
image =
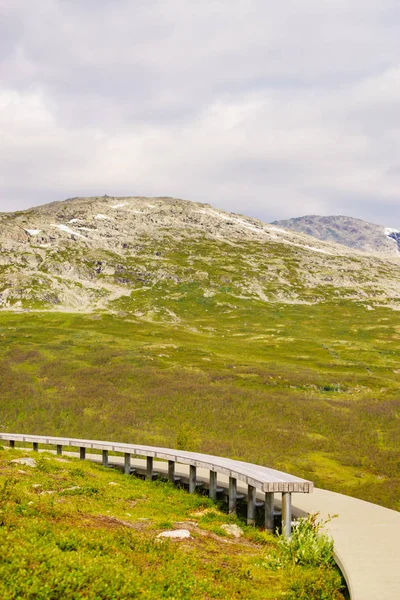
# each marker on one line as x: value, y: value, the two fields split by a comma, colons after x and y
x: 265, y: 108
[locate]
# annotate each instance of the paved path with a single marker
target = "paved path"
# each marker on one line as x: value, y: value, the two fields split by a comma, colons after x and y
x: 366, y: 536
x: 367, y: 542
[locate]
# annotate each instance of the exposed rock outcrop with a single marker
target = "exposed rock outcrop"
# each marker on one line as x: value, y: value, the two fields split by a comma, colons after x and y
x: 148, y: 256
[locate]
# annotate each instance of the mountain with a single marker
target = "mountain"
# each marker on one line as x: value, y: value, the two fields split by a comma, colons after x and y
x: 354, y: 233
x: 159, y: 257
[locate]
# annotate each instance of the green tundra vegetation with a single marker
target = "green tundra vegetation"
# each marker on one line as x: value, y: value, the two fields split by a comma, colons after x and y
x: 234, y: 349
x: 310, y: 389
x: 73, y: 529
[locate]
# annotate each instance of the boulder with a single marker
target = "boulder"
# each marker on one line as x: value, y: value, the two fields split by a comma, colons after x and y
x: 232, y: 530
x: 28, y: 462
x: 176, y: 534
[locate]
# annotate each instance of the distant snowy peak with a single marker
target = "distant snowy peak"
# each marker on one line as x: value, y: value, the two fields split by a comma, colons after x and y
x: 350, y: 232
x: 393, y: 234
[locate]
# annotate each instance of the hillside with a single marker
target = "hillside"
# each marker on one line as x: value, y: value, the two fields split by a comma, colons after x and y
x: 72, y: 529
x: 312, y: 390
x: 353, y: 233
x: 160, y: 321
x: 146, y: 255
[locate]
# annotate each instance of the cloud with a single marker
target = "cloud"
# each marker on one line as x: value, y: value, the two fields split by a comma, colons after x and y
x: 265, y: 109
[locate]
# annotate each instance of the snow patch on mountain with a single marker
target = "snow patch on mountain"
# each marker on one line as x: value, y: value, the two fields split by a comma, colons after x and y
x: 271, y: 228
x: 304, y: 246
x: 67, y: 229
x: 393, y: 235
x: 389, y: 231
x: 213, y: 213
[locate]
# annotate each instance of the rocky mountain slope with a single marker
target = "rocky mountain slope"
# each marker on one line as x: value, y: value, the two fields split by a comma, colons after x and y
x: 155, y: 257
x: 350, y: 232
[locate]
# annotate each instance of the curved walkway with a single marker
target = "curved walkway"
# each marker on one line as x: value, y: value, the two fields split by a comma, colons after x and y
x: 366, y: 536
x: 367, y: 542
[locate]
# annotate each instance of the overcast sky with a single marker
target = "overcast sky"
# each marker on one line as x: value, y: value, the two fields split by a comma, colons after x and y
x: 272, y: 109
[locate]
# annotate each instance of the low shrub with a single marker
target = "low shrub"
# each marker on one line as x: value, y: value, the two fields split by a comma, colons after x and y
x: 315, y: 584
x: 312, y: 549
x: 308, y: 545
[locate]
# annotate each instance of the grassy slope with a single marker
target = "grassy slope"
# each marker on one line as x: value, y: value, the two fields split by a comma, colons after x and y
x: 310, y: 389
x: 72, y: 529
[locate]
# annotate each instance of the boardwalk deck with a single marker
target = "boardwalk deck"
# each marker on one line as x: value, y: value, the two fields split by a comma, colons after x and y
x: 366, y: 536
x: 256, y: 477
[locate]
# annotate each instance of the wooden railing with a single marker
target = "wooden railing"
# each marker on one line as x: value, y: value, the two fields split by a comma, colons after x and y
x: 258, y: 479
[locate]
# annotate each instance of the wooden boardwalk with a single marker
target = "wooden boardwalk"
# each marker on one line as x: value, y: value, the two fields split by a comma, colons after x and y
x: 366, y: 536
x: 257, y: 478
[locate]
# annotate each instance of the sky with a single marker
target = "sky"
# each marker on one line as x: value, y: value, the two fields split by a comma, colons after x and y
x: 270, y: 109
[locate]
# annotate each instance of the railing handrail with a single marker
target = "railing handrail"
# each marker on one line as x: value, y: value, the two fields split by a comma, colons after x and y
x: 266, y: 479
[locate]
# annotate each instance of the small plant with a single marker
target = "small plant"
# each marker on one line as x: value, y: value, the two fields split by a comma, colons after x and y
x: 68, y: 543
x: 308, y: 545
x: 187, y: 439
x: 312, y: 549
x: 315, y: 584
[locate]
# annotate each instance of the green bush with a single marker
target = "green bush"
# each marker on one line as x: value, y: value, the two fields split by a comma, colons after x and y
x: 307, y: 545
x: 312, y: 549
x: 187, y: 439
x: 315, y: 584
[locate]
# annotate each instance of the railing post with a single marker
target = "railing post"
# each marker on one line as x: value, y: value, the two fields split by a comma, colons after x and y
x: 149, y: 469
x: 213, y: 485
x: 35, y: 447
x: 251, y: 505
x: 286, y: 513
x: 269, y: 511
x: 127, y: 463
x: 82, y: 453
x: 105, y: 458
x: 192, y: 479
x: 232, y: 495
x: 59, y: 449
x: 171, y: 471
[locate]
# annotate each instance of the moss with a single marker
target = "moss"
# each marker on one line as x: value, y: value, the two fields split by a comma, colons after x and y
x: 73, y: 529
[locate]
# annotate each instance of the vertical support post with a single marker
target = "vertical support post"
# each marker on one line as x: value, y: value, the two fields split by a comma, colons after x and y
x: 171, y: 471
x: 213, y: 485
x: 12, y: 444
x: 192, y: 479
x: 232, y: 495
x: 269, y: 511
x: 149, y: 468
x: 82, y: 453
x: 286, y: 514
x: 104, y: 455
x: 127, y: 463
x: 251, y: 505
x: 35, y: 447
x: 59, y: 449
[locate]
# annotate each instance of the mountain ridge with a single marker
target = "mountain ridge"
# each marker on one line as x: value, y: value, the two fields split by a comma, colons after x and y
x: 126, y: 253
x: 348, y: 231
